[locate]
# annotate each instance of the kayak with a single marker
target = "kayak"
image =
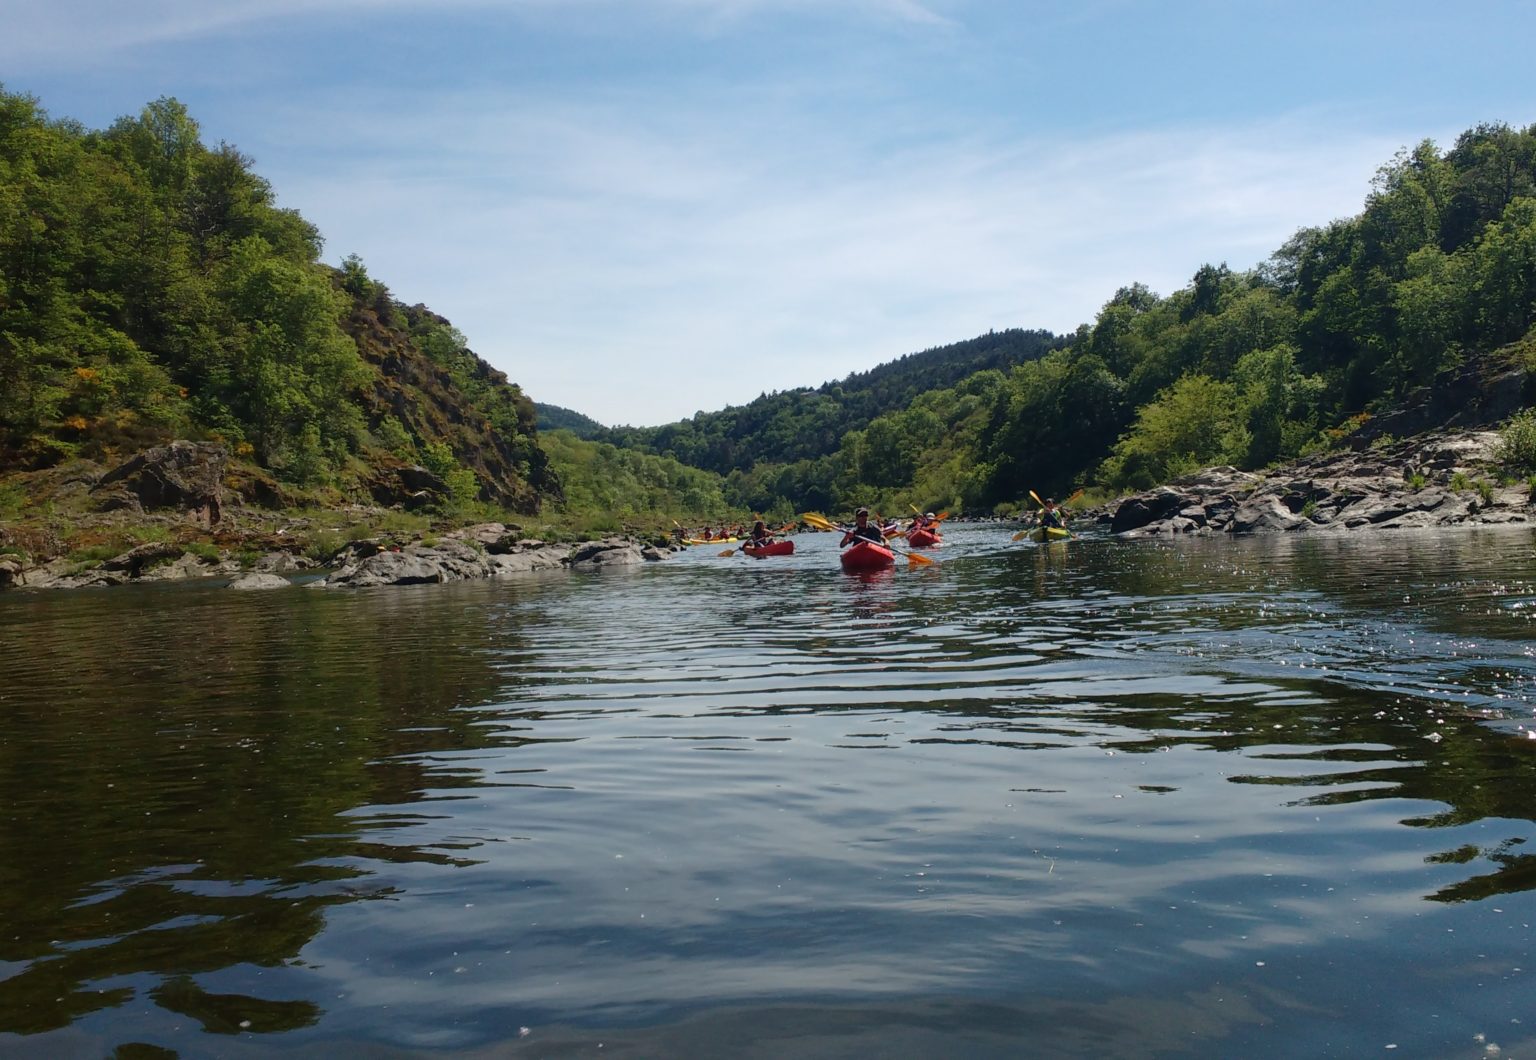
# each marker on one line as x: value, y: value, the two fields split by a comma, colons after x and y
x: 774, y: 548
x: 866, y: 555
x: 711, y: 541
x: 1049, y: 533
x: 922, y: 538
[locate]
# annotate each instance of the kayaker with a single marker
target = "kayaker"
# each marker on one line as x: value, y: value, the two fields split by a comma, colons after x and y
x: 1051, y: 515
x: 861, y: 530
x: 760, y: 535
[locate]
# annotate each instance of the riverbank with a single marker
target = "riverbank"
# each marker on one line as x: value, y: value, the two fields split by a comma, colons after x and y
x: 1437, y: 479
x: 185, y: 511
x: 180, y: 512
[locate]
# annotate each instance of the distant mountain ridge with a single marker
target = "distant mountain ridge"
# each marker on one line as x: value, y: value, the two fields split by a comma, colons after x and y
x: 557, y: 418
x: 809, y: 423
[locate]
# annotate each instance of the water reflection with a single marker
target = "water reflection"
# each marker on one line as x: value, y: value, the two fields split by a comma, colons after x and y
x: 185, y: 800
x: 1110, y: 797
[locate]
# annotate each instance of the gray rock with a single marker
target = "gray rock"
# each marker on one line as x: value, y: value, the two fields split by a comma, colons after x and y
x: 281, y: 563
x: 259, y: 580
x: 1337, y: 491
x: 178, y: 569
x: 186, y: 476
x: 144, y: 557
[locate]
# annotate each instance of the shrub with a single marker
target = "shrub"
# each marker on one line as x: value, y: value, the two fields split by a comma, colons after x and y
x: 91, y: 555
x: 12, y: 499
x: 205, y: 550
x: 1516, y: 448
x: 1416, y: 480
x: 1459, y: 482
x: 323, y: 545
x: 1484, y: 490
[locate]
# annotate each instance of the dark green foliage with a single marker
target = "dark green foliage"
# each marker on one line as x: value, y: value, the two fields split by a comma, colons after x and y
x: 150, y: 287
x: 555, y: 418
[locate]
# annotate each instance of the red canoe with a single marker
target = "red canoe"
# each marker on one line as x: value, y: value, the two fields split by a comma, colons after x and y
x: 866, y: 555
x: 774, y: 548
x: 922, y: 538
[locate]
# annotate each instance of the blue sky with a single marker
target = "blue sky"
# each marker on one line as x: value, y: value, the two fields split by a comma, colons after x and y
x: 646, y: 208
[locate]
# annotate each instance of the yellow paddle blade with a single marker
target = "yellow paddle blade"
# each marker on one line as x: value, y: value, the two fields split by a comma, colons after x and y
x: 915, y: 509
x: 1038, y: 501
x: 1072, y: 498
x: 728, y: 552
x: 820, y: 522
x: 1021, y: 535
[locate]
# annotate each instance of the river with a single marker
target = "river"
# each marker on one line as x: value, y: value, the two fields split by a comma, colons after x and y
x: 1256, y: 797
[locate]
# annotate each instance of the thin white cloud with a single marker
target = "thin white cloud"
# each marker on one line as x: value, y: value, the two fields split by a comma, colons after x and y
x: 39, y: 36
x: 641, y: 270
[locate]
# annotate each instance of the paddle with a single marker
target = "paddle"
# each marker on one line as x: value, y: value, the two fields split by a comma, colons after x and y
x: 821, y: 522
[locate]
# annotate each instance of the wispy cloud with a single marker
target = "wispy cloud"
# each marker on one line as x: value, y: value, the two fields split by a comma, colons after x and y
x: 40, y: 35
x: 559, y: 237
x: 642, y: 224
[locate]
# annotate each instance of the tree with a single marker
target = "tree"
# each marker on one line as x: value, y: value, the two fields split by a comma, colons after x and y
x: 1193, y: 423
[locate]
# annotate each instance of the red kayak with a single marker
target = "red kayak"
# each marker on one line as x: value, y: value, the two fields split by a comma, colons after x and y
x: 866, y: 555
x: 922, y: 539
x: 774, y: 548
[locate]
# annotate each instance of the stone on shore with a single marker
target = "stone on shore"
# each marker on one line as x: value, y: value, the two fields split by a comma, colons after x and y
x: 489, y: 550
x: 1442, y: 479
x: 259, y: 580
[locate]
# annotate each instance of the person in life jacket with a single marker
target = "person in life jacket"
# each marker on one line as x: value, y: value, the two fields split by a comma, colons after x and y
x: 862, y: 530
x: 1051, y: 515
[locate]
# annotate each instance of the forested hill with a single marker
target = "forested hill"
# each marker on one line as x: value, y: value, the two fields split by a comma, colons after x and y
x: 556, y: 418
x: 1432, y: 285
x: 151, y: 289
x: 808, y: 424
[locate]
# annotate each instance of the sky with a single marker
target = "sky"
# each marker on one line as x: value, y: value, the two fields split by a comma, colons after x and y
x: 641, y: 209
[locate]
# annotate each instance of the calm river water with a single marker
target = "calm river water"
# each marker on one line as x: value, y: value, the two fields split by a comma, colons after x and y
x: 1262, y: 797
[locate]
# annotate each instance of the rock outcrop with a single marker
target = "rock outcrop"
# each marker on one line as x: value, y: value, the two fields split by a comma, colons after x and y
x: 489, y: 550
x: 259, y: 580
x: 185, y: 476
x: 1439, y: 479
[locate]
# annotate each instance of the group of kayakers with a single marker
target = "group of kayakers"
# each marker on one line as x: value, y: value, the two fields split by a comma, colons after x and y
x: 922, y: 529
